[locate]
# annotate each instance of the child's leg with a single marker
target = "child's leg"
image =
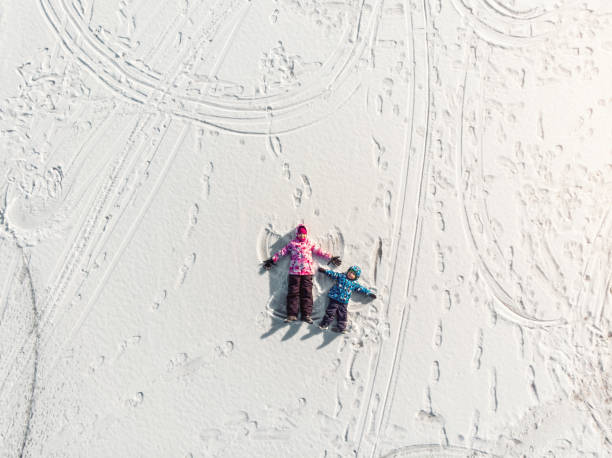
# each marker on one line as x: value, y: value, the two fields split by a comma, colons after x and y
x: 293, y: 295
x: 330, y: 313
x: 306, y: 295
x: 342, y: 316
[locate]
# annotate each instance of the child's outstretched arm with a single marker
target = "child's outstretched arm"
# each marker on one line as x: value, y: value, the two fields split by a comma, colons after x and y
x: 335, y: 260
x: 330, y: 273
x: 268, y: 263
x: 363, y: 290
x: 282, y: 252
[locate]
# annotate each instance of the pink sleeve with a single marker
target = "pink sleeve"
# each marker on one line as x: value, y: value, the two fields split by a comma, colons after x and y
x: 281, y: 253
x: 316, y: 249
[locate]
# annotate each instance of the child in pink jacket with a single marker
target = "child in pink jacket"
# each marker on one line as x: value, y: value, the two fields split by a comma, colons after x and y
x: 299, y: 294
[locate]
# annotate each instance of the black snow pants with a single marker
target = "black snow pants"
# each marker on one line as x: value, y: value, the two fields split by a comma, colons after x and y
x: 336, y: 309
x: 299, y: 295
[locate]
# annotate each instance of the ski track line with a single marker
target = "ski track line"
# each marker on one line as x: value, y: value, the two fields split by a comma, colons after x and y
x: 493, y: 35
x: 89, y: 141
x: 79, y: 247
x: 131, y: 146
x: 227, y: 45
x: 125, y: 242
x: 54, y: 309
x: 114, y: 62
x: 70, y: 121
x: 138, y: 154
x: 126, y: 74
x: 94, y: 247
x: 408, y: 141
x: 162, y: 135
x: 321, y: 88
x: 161, y: 48
x: 66, y: 252
x: 46, y: 12
x: 61, y: 280
x: 421, y: 450
x: 589, y: 270
x: 416, y: 244
x: 130, y: 143
x: 36, y: 350
x: 89, y: 145
x: 76, y: 253
x: 398, y: 349
x: 159, y: 45
x: 269, y: 118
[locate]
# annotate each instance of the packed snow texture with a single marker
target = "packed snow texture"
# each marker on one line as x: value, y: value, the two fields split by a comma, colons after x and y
x: 154, y: 153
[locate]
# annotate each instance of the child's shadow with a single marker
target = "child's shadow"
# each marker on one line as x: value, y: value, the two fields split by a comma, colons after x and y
x: 278, y: 277
x: 328, y: 336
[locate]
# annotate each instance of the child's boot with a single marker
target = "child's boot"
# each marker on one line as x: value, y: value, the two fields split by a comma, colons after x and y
x: 290, y: 318
x: 340, y: 330
x: 323, y: 324
x: 307, y: 319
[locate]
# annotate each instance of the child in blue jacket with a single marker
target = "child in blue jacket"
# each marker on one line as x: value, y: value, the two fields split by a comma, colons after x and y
x: 339, y: 296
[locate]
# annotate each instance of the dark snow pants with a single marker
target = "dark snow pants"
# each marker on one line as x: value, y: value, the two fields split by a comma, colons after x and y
x: 299, y: 295
x: 336, y: 309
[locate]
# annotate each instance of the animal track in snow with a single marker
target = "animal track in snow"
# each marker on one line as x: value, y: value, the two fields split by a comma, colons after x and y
x: 194, y: 211
x: 493, y: 390
x: 206, y: 179
x: 438, y: 335
x: 435, y: 371
x: 178, y: 360
x: 225, y: 349
x: 185, y: 268
x: 306, y: 186
x: 303, y: 191
x: 447, y: 301
x: 125, y: 344
x: 161, y: 297
x: 388, y: 198
x: 297, y: 197
x: 136, y: 400
x: 478, y: 350
x: 379, y: 155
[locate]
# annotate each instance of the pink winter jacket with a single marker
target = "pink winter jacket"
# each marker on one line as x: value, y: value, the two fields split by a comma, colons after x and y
x: 301, y: 256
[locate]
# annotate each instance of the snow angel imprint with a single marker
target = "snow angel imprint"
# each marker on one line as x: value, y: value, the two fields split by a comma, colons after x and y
x: 299, y: 294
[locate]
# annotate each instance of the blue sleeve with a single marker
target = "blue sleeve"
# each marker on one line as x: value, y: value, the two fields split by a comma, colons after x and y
x: 361, y: 289
x: 333, y: 274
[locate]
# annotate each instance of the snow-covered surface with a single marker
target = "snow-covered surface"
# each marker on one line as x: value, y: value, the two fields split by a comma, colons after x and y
x: 153, y: 153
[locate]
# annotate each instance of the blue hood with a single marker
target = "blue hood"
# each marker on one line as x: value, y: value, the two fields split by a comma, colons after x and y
x: 357, y: 271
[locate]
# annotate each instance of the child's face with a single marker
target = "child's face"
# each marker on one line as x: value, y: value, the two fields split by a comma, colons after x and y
x: 351, y: 275
x: 301, y: 236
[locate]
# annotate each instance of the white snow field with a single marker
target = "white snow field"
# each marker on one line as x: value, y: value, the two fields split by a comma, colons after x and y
x: 153, y: 153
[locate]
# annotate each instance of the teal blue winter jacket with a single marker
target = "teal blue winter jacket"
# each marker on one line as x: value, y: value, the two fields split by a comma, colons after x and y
x: 342, y: 290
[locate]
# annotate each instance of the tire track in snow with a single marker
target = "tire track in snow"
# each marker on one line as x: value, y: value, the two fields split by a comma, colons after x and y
x: 506, y: 27
x: 125, y: 242
x: 78, y: 249
x: 338, y: 80
x: 412, y: 195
